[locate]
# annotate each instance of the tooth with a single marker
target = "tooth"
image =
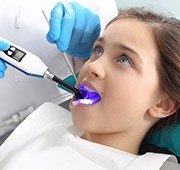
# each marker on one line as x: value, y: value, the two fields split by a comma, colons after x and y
x: 86, y: 101
x: 75, y: 103
x: 82, y: 101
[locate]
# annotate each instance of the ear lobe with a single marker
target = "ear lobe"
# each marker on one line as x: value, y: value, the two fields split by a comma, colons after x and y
x: 163, y: 108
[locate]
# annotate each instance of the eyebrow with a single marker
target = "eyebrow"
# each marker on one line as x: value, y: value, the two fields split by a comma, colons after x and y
x: 121, y: 46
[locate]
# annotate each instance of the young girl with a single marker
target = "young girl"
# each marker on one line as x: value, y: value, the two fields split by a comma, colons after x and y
x: 135, y: 68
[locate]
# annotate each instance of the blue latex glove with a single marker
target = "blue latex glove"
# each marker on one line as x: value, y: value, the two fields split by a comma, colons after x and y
x: 3, y: 67
x: 73, y: 28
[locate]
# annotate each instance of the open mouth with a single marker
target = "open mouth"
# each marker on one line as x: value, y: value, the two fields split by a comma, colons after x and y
x: 89, y: 96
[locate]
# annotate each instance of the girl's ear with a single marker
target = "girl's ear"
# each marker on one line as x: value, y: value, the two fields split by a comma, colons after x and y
x: 164, y: 107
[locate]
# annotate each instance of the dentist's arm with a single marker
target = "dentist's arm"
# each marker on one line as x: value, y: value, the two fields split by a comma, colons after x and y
x: 3, y: 67
x: 74, y: 29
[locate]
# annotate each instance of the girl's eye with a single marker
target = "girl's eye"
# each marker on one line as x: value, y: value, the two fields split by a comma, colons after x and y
x: 98, y: 51
x: 125, y: 61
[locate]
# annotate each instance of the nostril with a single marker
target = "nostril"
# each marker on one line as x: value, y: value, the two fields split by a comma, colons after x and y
x: 94, y: 74
x: 96, y: 70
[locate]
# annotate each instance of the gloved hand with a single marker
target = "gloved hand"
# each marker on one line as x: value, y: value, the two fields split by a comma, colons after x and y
x: 73, y: 28
x: 3, y: 67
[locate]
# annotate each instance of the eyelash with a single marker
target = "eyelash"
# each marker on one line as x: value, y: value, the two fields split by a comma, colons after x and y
x: 97, y: 46
x: 119, y: 58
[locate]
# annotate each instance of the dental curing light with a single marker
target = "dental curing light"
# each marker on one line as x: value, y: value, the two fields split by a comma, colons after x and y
x: 31, y: 65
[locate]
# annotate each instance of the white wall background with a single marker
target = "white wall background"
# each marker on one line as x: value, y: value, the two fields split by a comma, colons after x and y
x: 165, y: 6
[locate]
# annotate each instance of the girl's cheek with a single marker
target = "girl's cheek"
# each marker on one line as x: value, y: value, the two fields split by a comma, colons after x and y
x: 83, y: 72
x: 81, y: 75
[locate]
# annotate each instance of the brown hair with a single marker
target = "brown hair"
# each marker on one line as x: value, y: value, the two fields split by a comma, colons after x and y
x: 166, y: 32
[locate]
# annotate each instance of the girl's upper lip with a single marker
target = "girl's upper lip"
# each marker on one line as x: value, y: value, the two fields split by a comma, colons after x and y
x: 89, y: 85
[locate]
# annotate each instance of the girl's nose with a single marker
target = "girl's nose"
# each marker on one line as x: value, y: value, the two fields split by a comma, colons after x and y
x: 96, y: 70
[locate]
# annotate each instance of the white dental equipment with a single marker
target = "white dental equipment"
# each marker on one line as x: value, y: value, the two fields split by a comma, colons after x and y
x: 31, y: 65
x: 17, y: 118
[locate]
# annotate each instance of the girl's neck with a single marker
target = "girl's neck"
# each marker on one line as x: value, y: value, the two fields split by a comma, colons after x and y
x: 125, y: 141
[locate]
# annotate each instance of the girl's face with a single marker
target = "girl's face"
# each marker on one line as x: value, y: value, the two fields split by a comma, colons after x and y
x: 122, y: 69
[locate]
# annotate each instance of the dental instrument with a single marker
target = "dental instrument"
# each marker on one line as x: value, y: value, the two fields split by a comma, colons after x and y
x: 31, y: 65
x: 89, y: 97
x: 64, y: 54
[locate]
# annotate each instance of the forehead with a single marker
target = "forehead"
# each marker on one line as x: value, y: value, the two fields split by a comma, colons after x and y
x: 132, y: 33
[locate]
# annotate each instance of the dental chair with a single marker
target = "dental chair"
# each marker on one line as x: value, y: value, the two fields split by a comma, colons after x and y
x: 148, y: 147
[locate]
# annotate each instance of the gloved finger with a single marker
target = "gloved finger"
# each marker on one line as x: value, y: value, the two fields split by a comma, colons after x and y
x: 55, y: 23
x: 72, y: 52
x: 4, y: 45
x: 1, y: 74
x: 3, y: 66
x: 68, y: 22
x: 94, y: 35
x: 49, y: 39
x: 92, y: 26
x: 79, y: 25
x: 86, y: 53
